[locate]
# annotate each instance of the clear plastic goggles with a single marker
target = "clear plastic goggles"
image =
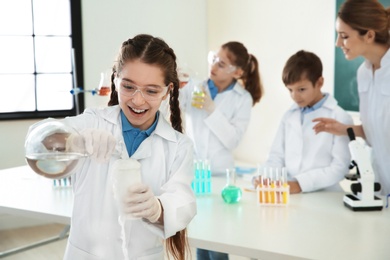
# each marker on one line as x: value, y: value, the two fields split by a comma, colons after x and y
x: 213, y: 59
x: 149, y: 93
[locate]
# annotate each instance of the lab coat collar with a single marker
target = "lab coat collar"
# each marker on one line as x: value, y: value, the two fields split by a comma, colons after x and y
x: 112, y: 114
x: 163, y: 129
x: 330, y: 103
x: 239, y: 88
x: 385, y: 61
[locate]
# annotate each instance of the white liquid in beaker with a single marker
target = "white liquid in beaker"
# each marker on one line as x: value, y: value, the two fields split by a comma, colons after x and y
x: 55, y: 165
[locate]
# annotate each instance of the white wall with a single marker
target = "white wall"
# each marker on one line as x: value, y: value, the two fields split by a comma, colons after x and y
x: 106, y: 24
x: 271, y: 30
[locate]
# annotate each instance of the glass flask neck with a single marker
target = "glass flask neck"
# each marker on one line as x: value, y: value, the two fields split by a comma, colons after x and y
x: 230, y: 177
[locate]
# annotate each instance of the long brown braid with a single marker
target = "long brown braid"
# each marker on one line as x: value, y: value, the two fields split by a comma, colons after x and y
x: 151, y: 50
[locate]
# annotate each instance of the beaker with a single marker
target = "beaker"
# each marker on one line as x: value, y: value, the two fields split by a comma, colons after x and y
x: 231, y: 193
x: 197, y: 94
x: 125, y: 172
x: 54, y: 150
x: 104, y: 84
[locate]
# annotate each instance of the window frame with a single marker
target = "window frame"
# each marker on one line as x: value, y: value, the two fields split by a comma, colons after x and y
x: 76, y: 38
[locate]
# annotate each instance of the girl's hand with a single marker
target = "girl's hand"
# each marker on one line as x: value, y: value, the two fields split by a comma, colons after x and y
x: 99, y: 144
x: 208, y: 103
x: 329, y: 125
x: 141, y: 202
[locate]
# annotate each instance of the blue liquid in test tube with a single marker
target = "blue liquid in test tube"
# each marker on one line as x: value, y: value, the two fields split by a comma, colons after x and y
x: 208, y: 177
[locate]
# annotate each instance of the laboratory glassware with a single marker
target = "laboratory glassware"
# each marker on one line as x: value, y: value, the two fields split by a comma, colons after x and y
x: 54, y: 149
x: 104, y: 84
x: 125, y: 172
x: 201, y: 184
x: 198, y: 93
x: 231, y: 193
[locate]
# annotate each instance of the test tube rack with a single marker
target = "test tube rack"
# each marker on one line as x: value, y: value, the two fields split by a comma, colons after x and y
x: 62, y: 183
x: 273, y: 195
x: 201, y: 184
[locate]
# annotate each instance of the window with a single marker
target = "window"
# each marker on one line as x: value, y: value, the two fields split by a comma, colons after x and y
x: 41, y: 58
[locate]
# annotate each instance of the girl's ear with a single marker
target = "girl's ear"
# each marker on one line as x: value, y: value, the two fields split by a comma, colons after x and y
x: 170, y: 86
x: 238, y: 73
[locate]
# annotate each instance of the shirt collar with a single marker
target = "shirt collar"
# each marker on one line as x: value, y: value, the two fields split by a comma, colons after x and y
x: 316, y: 105
x: 126, y: 126
x: 214, y: 90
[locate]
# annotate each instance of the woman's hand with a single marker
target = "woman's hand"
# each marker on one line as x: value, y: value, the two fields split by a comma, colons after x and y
x: 329, y: 125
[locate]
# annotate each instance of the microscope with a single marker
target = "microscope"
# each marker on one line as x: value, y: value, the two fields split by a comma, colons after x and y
x: 362, y: 197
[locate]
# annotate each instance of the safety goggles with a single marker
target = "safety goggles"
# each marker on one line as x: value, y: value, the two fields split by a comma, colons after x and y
x: 149, y: 93
x: 213, y: 59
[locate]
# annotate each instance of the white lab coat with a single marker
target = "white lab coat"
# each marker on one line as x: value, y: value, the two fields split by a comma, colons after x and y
x: 316, y: 161
x: 374, y: 97
x: 216, y: 135
x: 166, y: 159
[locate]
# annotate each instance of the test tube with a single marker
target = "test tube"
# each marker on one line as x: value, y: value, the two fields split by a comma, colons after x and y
x: 266, y: 186
x: 285, y: 185
x: 277, y: 184
x: 260, y: 189
x: 203, y: 175
x: 272, y: 186
x: 196, y: 177
x: 208, y: 177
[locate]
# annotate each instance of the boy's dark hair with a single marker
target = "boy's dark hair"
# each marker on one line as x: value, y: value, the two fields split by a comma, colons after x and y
x: 302, y: 65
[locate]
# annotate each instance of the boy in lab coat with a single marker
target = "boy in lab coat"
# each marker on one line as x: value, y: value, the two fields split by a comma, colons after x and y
x: 313, y: 161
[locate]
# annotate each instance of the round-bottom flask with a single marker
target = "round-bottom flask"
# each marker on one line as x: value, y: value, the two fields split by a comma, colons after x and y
x: 231, y: 193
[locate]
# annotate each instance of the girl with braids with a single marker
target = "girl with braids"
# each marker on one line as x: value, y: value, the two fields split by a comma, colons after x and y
x: 363, y: 29
x: 144, y: 74
x: 217, y: 121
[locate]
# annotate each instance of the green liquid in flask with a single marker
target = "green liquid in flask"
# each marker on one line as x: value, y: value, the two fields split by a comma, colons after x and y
x: 231, y: 194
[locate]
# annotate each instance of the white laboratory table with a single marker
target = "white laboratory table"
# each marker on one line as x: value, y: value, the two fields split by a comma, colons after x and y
x: 313, y: 226
x: 25, y: 193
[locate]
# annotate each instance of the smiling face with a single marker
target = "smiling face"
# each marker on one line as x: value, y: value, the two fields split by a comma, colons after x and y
x: 349, y: 40
x: 304, y: 93
x: 140, y: 112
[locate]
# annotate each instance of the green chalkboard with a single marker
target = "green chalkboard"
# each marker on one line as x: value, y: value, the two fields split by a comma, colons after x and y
x: 345, y: 84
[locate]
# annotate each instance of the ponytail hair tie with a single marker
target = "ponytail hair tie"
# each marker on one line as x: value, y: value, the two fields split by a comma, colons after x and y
x: 249, y: 59
x: 250, y: 65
